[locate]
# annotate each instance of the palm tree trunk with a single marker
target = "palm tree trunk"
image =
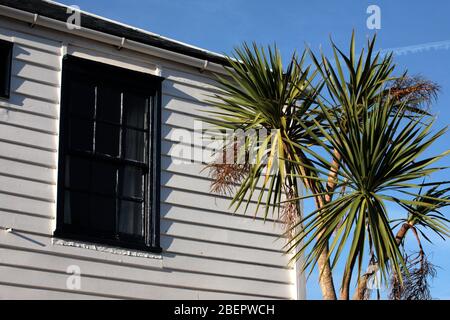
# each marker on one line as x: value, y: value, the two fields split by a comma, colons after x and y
x: 326, y: 277
x: 325, y: 274
x: 326, y: 282
x: 362, y: 281
x: 331, y: 185
x: 323, y: 259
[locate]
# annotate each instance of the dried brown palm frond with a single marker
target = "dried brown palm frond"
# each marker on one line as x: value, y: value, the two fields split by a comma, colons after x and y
x: 226, y: 171
x: 416, y: 92
x: 416, y: 284
x: 226, y: 177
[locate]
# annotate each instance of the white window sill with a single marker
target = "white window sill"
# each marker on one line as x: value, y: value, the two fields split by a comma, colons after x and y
x: 107, y: 249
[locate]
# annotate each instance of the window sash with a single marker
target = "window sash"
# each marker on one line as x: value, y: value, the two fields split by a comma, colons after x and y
x: 149, y: 238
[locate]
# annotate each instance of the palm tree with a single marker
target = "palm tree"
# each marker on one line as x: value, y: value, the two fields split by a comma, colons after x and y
x: 354, y: 146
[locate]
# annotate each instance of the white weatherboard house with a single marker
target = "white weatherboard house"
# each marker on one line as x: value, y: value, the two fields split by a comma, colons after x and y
x: 92, y: 203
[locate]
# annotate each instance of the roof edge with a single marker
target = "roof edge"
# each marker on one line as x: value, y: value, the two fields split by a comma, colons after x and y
x: 58, y: 12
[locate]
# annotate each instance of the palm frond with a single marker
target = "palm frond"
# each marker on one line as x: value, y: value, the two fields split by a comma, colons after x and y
x: 380, y: 149
x: 259, y: 93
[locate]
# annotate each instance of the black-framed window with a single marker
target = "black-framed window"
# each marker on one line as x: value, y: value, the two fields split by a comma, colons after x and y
x: 108, y: 181
x: 5, y: 67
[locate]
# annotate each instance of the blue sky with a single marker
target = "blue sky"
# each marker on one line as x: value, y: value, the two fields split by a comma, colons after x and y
x: 221, y: 25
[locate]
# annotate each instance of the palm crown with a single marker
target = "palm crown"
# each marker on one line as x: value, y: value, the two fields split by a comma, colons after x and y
x: 352, y: 133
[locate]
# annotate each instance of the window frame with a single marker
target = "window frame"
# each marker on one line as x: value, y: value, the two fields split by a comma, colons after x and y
x: 74, y: 66
x: 8, y: 46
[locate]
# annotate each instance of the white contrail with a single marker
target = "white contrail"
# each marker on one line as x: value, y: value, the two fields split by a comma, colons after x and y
x: 400, y: 51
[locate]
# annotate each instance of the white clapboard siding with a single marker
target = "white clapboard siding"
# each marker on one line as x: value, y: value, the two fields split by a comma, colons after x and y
x: 19, y: 117
x: 208, y: 244
x: 185, y: 151
x: 31, y: 105
x: 12, y: 291
x: 205, y: 202
x: 183, y: 121
x: 37, y: 190
x: 53, y: 280
x: 34, y: 89
x: 197, y: 80
x: 125, y: 289
x: 27, y: 171
x: 15, y: 202
x: 118, y: 272
x: 169, y: 230
x: 223, y: 220
x: 29, y: 154
x: 27, y: 222
x: 187, y: 92
x: 37, y: 73
x: 198, y: 110
x: 229, y: 268
x: 179, y: 165
x: 92, y: 266
x: 181, y: 143
x: 194, y: 169
x: 208, y: 252
x: 224, y: 251
x: 201, y: 185
x: 28, y: 137
x: 22, y: 241
x: 184, y: 134
x: 219, y: 234
x: 176, y: 180
x: 37, y: 57
x: 12, y: 31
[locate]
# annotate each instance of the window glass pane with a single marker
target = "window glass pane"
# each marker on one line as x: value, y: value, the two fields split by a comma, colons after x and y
x: 81, y: 134
x: 109, y: 101
x: 104, y: 177
x: 82, y: 98
x: 130, y: 218
x: 76, y: 209
x: 78, y: 173
x: 107, y: 139
x: 132, y: 182
x: 102, y: 214
x: 135, y: 145
x: 135, y: 110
